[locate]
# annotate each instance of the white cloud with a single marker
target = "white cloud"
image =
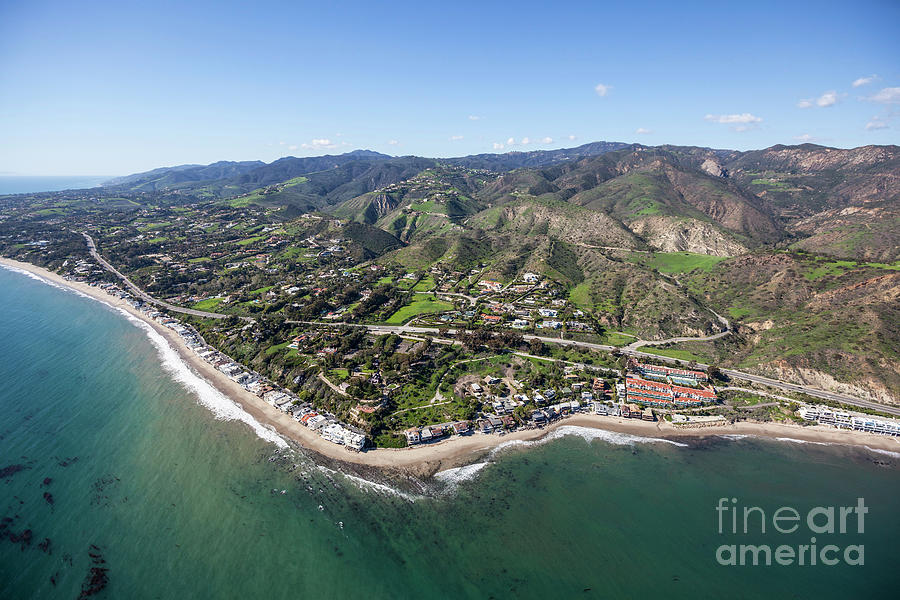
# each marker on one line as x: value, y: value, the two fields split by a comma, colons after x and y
x: 319, y: 144
x: 474, y: 118
x: 642, y: 131
x: 393, y: 142
x: 827, y: 99
x: 805, y: 138
x: 281, y: 143
x: 547, y: 140
x: 511, y: 142
x: 294, y: 147
x: 889, y: 95
x: 455, y: 138
x: 744, y: 118
x: 876, y: 123
x: 572, y: 138
x: 602, y: 89
x: 864, y: 80
x: 525, y: 141
x: 498, y: 146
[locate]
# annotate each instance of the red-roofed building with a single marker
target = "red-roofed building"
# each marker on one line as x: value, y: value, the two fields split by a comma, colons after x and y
x: 663, y: 395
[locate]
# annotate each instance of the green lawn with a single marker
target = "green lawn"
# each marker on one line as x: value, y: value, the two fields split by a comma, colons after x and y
x: 339, y: 373
x: 614, y: 338
x: 261, y: 290
x: 273, y: 349
x: 419, y: 306
x: 152, y: 226
x: 209, y: 305
x: 251, y: 240
x: 199, y: 259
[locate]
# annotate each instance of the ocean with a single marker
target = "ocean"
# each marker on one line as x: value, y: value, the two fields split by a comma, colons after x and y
x: 27, y: 184
x: 122, y: 475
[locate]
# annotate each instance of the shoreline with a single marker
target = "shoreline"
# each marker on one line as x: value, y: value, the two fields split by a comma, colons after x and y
x: 457, y: 450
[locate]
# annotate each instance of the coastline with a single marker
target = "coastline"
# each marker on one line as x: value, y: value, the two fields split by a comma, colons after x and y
x: 457, y: 450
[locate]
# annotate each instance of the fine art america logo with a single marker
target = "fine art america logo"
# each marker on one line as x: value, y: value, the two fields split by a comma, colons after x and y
x: 826, y: 522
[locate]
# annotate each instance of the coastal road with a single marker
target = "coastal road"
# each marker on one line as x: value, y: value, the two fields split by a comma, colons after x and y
x: 628, y: 350
x: 92, y: 247
x: 759, y: 379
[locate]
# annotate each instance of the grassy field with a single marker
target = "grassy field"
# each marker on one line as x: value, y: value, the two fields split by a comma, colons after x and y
x: 273, y: 349
x: 419, y: 306
x: 209, y: 305
x: 680, y: 262
x: 670, y: 352
x: 737, y: 312
x: 339, y: 373
x: 241, y: 202
x: 839, y: 267
x: 152, y: 226
x: 251, y: 240
x: 614, y: 338
x: 426, y: 284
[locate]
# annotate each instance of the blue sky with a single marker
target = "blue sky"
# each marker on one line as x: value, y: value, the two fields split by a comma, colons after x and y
x: 116, y: 87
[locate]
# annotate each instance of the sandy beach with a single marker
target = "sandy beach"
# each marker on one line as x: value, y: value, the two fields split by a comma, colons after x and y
x: 456, y: 450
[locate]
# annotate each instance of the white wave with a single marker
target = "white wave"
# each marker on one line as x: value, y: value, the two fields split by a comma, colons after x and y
x: 610, y: 437
x: 796, y: 441
x: 885, y: 452
x: 207, y: 395
x: 366, y: 485
x: 588, y: 434
x: 733, y: 436
x: 460, y: 474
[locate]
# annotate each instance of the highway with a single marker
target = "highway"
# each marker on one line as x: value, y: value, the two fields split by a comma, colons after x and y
x: 733, y: 374
x: 628, y: 351
x: 92, y: 247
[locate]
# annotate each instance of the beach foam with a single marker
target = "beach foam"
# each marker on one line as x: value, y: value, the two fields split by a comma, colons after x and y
x: 885, y: 452
x: 459, y: 474
x: 796, y: 441
x: 370, y: 486
x: 208, y: 396
x: 588, y: 434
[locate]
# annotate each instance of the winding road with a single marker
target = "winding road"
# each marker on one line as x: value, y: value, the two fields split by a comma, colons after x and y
x: 630, y: 350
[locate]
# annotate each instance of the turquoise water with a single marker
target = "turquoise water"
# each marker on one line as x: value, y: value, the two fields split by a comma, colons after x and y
x: 178, y: 504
